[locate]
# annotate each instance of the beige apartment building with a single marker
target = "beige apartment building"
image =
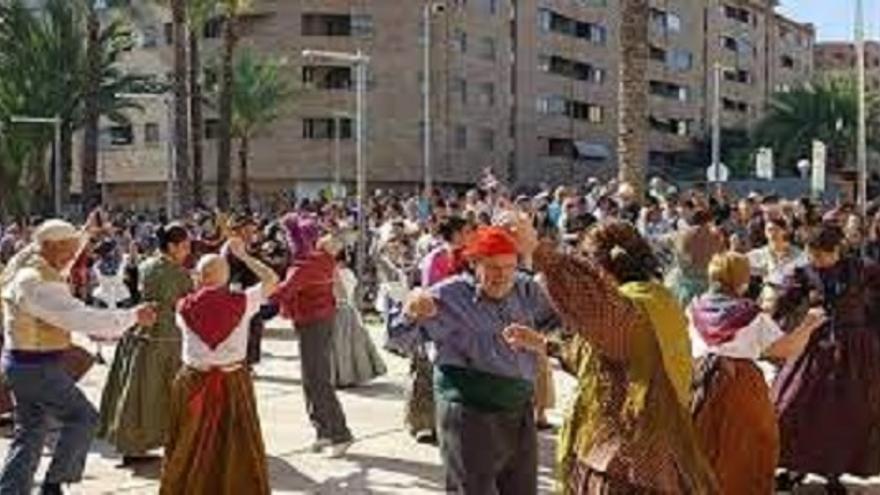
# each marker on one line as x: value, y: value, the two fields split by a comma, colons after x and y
x: 528, y: 88
x: 840, y: 56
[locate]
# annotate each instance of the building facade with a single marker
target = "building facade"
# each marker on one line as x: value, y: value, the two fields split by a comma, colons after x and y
x: 528, y: 88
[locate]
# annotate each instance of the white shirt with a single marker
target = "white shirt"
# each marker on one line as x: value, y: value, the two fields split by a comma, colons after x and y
x: 53, y: 303
x: 232, y: 350
x: 749, y: 343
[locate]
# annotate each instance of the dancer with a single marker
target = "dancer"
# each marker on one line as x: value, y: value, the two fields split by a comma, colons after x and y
x: 732, y: 410
x: 242, y: 225
x: 306, y: 297
x: 39, y: 315
x: 134, y: 403
x: 629, y: 429
x: 484, y: 327
x: 828, y: 399
x: 215, y: 446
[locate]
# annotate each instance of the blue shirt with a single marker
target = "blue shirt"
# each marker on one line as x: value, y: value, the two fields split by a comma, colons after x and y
x: 466, y: 331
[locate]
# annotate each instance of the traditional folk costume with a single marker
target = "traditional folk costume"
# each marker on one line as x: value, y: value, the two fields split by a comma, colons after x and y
x: 828, y: 399
x: 483, y: 388
x: 732, y: 410
x: 354, y: 358
x: 135, y: 400
x: 39, y: 315
x: 629, y: 428
x: 215, y: 446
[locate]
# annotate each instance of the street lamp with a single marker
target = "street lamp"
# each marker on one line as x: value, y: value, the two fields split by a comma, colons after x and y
x: 337, y: 152
x: 430, y: 8
x: 861, y: 131
x: 360, y: 62
x: 716, y: 118
x: 56, y: 150
x: 171, y: 170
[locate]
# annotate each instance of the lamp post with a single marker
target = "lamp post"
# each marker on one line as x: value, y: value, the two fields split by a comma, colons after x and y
x: 359, y: 62
x: 428, y: 10
x: 337, y: 152
x: 861, y: 131
x: 171, y: 170
x: 56, y: 151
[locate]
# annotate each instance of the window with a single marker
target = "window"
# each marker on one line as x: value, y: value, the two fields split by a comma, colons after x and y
x: 487, y: 94
x: 460, y: 41
x: 212, y: 128
x: 570, y: 68
x: 149, y: 37
x: 460, y: 137
x: 327, y: 76
x: 578, y: 110
x: 550, y: 21
x: 213, y: 27
x: 789, y: 63
x: 486, y: 48
x: 738, y: 76
x: 680, y: 60
x: 169, y: 33
x: 325, y: 128
x: 731, y: 105
x: 737, y: 14
x: 487, y: 139
x: 460, y: 87
x: 560, y: 147
x: 151, y: 133
x: 679, y: 127
x: 551, y: 105
x: 669, y: 90
x: 362, y: 25
x: 121, y: 135
x: 326, y: 25
x: 665, y: 22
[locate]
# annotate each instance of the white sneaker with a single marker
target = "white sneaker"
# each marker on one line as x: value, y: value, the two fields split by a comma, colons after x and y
x: 320, y: 444
x: 338, y: 450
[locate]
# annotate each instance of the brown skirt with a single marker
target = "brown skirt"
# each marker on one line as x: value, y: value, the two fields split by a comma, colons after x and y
x: 215, y: 446
x: 736, y: 422
x: 587, y: 481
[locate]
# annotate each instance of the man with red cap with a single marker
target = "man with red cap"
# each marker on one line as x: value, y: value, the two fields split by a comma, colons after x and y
x: 484, y: 325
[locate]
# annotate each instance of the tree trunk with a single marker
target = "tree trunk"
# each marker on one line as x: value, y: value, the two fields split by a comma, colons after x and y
x: 224, y: 145
x: 195, y: 113
x: 66, y: 162
x: 182, y: 191
x: 91, y: 193
x: 632, y: 134
x: 244, y: 188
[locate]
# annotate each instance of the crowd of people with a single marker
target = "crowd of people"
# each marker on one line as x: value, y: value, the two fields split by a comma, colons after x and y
x: 720, y: 344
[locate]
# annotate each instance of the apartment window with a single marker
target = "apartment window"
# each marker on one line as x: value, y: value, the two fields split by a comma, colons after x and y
x: 460, y: 87
x: 151, y: 133
x: 740, y: 46
x: 560, y: 147
x: 460, y: 137
x: 738, y: 76
x: 731, y: 105
x: 737, y: 14
x: 212, y: 128
x: 460, y: 40
x: 487, y: 139
x: 327, y: 76
x: 554, y: 64
x: 121, y: 135
x: 551, y: 105
x: 362, y: 25
x: 669, y: 90
x: 325, y: 128
x: 487, y: 94
x: 665, y: 22
x: 680, y: 60
x: 213, y: 27
x: 486, y: 48
x: 578, y: 110
x: 679, y: 127
x: 326, y: 25
x: 149, y: 37
x: 169, y: 33
x: 550, y: 21
x: 788, y: 62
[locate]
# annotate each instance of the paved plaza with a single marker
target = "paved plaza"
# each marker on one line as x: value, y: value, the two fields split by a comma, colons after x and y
x: 383, y: 460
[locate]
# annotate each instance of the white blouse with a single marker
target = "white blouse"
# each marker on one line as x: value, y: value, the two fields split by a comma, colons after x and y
x: 749, y: 343
x: 231, y: 351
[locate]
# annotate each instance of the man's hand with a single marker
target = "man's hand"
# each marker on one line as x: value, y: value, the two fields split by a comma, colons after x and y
x: 146, y: 314
x: 236, y: 247
x: 523, y: 338
x: 815, y: 318
x: 419, y: 305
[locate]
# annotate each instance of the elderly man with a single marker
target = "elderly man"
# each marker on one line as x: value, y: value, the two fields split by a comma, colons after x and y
x: 215, y: 446
x: 485, y: 328
x: 39, y: 315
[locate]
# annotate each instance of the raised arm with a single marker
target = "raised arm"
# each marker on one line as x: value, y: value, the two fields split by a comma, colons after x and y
x: 268, y: 277
x: 588, y: 301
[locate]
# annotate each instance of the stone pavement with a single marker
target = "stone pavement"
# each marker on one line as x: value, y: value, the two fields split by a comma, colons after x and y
x: 383, y: 460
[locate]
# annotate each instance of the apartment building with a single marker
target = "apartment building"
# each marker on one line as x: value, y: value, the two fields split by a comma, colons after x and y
x: 840, y: 57
x: 528, y: 88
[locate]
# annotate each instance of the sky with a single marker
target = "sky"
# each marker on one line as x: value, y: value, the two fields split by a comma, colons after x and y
x: 834, y: 18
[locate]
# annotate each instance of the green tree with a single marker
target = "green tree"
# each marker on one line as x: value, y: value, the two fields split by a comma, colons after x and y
x: 824, y: 110
x: 260, y: 95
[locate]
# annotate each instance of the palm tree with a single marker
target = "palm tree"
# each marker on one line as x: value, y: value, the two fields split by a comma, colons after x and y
x: 632, y: 133
x: 200, y: 11
x: 91, y: 195
x: 231, y: 10
x: 259, y: 96
x: 824, y: 110
x: 181, y: 106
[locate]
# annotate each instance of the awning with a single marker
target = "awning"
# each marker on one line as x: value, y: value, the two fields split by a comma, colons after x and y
x: 592, y: 151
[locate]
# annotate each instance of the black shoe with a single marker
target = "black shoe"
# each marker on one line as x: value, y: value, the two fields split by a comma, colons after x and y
x: 786, y: 482
x: 426, y: 437
x: 137, y: 460
x: 51, y: 489
x: 835, y: 487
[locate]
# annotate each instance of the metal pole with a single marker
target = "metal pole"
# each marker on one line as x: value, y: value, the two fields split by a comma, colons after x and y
x: 861, y: 133
x: 716, y: 123
x: 171, y: 176
x: 58, y: 165
x: 361, y: 103
x: 426, y: 98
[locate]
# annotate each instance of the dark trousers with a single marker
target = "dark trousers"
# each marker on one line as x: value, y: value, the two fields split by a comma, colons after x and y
x: 322, y: 405
x: 488, y: 453
x: 41, y: 391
